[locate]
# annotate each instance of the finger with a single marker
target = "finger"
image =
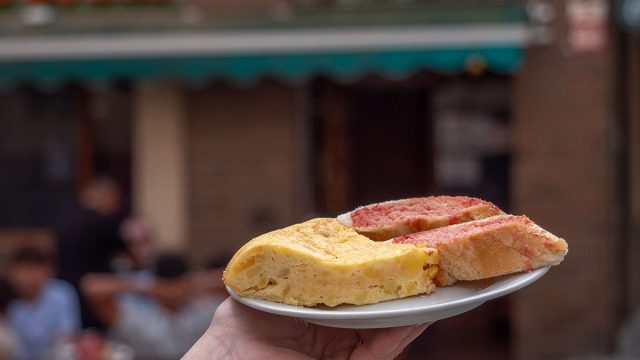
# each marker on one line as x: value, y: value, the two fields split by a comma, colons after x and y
x: 251, y: 322
x: 387, y: 343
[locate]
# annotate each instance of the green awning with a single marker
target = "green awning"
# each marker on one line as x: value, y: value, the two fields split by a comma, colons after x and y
x: 293, y: 53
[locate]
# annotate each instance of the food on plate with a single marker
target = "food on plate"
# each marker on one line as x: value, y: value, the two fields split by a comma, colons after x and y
x: 324, y: 262
x: 389, y: 219
x: 489, y: 247
x: 435, y: 240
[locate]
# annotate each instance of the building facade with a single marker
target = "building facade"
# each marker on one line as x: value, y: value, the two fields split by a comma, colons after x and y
x: 215, y: 146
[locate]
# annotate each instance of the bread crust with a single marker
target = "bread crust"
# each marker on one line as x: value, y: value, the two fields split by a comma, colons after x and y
x: 490, y: 247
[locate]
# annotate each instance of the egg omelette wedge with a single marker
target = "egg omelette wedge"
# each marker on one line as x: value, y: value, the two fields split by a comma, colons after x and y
x: 322, y: 261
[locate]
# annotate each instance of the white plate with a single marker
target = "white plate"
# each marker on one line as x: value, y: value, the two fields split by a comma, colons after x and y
x: 443, y: 303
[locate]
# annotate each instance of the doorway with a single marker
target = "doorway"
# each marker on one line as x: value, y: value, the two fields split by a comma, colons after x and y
x: 373, y: 143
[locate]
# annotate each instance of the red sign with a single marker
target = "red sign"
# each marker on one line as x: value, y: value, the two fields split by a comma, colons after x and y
x: 587, y: 20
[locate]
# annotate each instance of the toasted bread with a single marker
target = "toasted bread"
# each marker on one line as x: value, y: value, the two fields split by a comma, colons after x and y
x: 390, y: 219
x: 489, y: 247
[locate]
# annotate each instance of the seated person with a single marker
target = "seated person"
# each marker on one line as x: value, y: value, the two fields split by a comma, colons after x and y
x: 159, y: 319
x: 207, y: 282
x: 45, y: 310
x: 140, y: 248
x: 8, y: 340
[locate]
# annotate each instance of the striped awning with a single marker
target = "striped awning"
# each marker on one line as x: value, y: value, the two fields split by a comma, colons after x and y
x: 245, y: 55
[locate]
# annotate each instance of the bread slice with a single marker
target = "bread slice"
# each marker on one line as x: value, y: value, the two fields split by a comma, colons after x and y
x: 389, y: 219
x: 489, y: 247
x: 324, y: 262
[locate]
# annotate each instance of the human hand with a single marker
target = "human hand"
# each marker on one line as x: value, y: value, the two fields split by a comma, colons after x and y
x: 239, y: 332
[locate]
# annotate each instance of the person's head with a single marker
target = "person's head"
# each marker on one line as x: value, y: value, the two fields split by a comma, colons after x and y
x: 29, y: 271
x: 171, y: 272
x: 138, y: 238
x: 102, y: 195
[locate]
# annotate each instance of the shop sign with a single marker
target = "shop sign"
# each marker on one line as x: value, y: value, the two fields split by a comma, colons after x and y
x: 587, y: 25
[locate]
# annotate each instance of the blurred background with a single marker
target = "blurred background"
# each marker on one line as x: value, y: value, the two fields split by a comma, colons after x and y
x: 218, y: 120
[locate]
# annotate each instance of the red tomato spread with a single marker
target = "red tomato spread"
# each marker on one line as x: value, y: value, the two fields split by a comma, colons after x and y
x: 446, y: 234
x: 410, y: 211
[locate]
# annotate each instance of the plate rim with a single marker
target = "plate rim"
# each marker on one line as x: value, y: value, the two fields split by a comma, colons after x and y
x: 522, y: 279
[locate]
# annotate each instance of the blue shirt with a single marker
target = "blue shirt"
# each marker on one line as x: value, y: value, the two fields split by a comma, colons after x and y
x: 39, y: 323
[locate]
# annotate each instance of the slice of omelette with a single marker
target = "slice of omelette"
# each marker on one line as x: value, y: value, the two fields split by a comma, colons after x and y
x: 324, y: 262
